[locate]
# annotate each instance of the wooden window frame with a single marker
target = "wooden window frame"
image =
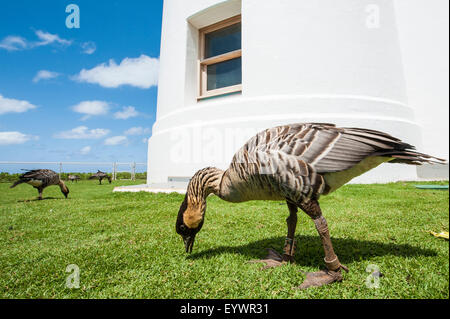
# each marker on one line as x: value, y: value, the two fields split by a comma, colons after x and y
x: 204, y: 62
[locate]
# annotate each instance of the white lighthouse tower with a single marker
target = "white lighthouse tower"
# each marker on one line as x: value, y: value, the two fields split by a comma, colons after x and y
x: 231, y: 68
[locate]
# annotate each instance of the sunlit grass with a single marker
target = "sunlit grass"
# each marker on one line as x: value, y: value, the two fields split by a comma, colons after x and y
x: 125, y: 244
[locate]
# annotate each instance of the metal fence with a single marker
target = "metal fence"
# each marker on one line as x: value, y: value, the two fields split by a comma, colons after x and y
x: 61, y: 167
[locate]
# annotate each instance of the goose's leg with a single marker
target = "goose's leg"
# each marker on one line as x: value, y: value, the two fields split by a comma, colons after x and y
x: 273, y: 258
x: 40, y: 193
x: 100, y: 180
x: 333, y: 272
x: 289, y: 244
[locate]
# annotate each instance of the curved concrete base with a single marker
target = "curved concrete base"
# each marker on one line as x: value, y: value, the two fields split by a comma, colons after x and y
x: 152, y: 188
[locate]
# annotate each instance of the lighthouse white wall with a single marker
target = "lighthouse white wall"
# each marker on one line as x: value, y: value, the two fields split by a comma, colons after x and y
x: 313, y: 60
x: 424, y: 41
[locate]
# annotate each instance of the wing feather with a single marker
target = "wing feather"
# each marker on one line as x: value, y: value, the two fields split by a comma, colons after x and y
x: 299, y: 156
x: 328, y: 148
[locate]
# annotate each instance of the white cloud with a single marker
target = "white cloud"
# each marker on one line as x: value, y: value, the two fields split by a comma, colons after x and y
x: 127, y: 112
x: 137, y: 130
x: 45, y: 75
x: 88, y: 47
x: 140, y: 72
x: 82, y: 132
x: 48, y: 38
x: 11, y: 138
x: 13, y: 43
x: 145, y: 140
x: 14, y: 106
x: 90, y: 108
x: 85, y: 150
x: 116, y: 140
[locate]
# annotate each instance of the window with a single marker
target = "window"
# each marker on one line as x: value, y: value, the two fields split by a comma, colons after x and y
x: 220, y: 58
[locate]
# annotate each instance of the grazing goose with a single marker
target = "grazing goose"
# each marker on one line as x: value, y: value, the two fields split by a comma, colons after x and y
x: 100, y: 175
x: 296, y: 163
x: 40, y: 179
x: 73, y: 178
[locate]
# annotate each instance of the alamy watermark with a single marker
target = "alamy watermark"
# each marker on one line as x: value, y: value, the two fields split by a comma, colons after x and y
x: 73, y: 280
x: 373, y: 16
x: 373, y: 280
x: 216, y: 146
x: 73, y: 19
x: 200, y: 144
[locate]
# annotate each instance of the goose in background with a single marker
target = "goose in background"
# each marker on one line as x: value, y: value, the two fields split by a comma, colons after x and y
x: 100, y: 176
x: 297, y: 163
x: 40, y: 179
x: 73, y: 178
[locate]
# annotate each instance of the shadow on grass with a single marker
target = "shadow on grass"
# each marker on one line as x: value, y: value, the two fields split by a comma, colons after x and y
x: 37, y: 199
x: 309, y: 250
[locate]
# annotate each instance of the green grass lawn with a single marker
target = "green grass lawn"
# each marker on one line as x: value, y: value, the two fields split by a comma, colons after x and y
x: 125, y: 244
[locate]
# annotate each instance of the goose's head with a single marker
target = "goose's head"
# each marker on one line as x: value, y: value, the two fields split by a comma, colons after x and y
x: 190, y: 221
x: 64, y: 188
x: 66, y: 192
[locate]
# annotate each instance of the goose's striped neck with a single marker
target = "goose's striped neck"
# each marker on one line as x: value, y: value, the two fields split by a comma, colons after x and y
x: 203, y: 183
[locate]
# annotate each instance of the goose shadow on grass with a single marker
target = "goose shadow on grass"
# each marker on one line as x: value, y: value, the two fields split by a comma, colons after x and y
x: 309, y: 251
x: 37, y: 199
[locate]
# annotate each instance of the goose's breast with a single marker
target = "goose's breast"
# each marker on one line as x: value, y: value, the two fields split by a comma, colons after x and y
x: 35, y: 182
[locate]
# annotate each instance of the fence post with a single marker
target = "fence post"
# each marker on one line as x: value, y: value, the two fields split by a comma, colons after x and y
x: 60, y: 170
x: 133, y: 171
x: 115, y: 171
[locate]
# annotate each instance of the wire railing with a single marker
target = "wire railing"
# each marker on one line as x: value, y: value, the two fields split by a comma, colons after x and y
x: 60, y: 166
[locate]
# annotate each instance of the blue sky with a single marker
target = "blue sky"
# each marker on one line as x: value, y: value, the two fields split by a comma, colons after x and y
x: 79, y: 94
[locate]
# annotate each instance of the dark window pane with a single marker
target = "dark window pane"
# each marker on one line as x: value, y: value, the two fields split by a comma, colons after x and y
x: 222, y: 41
x: 224, y: 74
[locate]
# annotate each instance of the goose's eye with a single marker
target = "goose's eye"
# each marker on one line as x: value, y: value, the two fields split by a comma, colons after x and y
x: 183, y: 228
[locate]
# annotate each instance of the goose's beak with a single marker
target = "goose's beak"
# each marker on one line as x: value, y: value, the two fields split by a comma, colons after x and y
x: 189, y: 243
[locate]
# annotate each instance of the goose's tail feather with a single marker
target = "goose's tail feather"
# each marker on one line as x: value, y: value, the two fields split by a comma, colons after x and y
x: 411, y: 157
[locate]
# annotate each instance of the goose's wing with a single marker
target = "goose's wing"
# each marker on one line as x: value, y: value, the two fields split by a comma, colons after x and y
x: 43, y: 177
x: 274, y: 159
x: 330, y: 149
x: 100, y: 174
x: 318, y: 157
x: 38, y: 174
x: 302, y: 145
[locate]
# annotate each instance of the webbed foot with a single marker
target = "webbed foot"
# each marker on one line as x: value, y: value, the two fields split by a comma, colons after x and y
x: 320, y: 278
x: 324, y: 277
x: 273, y: 259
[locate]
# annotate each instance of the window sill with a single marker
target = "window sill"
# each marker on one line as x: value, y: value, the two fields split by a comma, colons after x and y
x: 221, y: 92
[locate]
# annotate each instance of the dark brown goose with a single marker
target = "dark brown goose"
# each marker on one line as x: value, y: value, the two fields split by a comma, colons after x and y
x: 100, y: 176
x: 73, y: 178
x: 40, y: 179
x: 297, y: 163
